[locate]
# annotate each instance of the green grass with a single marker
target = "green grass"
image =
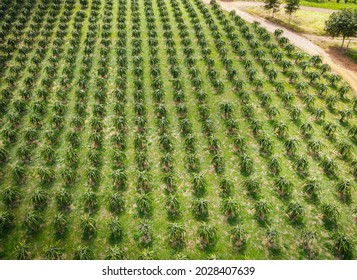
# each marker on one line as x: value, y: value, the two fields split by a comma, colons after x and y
x: 101, y: 31
x: 332, y: 5
x: 352, y: 53
x: 302, y: 21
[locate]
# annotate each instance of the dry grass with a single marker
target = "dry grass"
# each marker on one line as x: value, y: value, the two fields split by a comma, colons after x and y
x: 302, y: 21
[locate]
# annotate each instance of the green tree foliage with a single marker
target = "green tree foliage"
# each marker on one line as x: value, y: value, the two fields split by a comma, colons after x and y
x: 291, y: 7
x: 273, y: 5
x: 342, y: 23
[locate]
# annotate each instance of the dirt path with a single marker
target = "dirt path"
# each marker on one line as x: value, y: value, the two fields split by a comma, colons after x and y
x: 337, y: 63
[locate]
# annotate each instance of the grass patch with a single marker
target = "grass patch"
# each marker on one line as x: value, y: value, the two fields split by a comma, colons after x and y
x: 352, y: 54
x: 303, y: 21
x: 329, y: 5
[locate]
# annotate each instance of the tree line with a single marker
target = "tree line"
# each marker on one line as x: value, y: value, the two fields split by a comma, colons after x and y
x: 290, y: 7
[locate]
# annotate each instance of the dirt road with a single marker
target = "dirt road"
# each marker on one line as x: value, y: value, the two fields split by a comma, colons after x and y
x: 347, y: 71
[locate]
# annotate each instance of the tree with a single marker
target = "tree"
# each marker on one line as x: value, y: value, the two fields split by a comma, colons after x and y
x: 262, y: 208
x: 315, y: 60
x: 173, y: 206
x: 291, y: 146
x: 272, y: 112
x: 207, y: 235
x: 246, y: 164
x: 117, y: 203
x: 83, y: 253
x: 238, y: 237
x: 199, y: 184
x: 342, y: 23
x: 283, y: 186
x: 229, y: 208
x: 334, y: 78
x: 343, y: 188
x: 345, y: 115
x: 291, y: 7
x: 116, y: 253
x: 33, y: 221
x: 176, y: 234
x: 274, y: 166
x: 312, y: 188
x: 40, y: 198
x: 145, y: 234
x: 226, y: 186
x: 301, y: 164
x: 54, y: 251
x: 273, y: 5
x: 93, y: 176
x: 6, y: 221
x: 307, y: 237
x: 343, y: 90
x: 89, y: 226
x: 330, y: 129
x: 181, y: 257
x: 306, y: 130
x: 272, y: 237
x: 60, y: 223
x: 11, y: 196
x: 295, y: 113
x: 200, y: 208
x: 352, y: 132
x: 328, y: 165
x: 218, y: 163
x: 90, y: 199
x: 226, y: 109
x: 280, y: 128
x: 143, y: 204
x: 115, y: 230
x: 330, y: 213
x: 238, y: 142
x: 319, y: 114
x: 343, y: 245
x: 314, y: 146
x: 331, y: 102
x: 345, y: 149
x: 309, y: 100
x: 321, y: 90
x: 295, y: 212
x: 4, y: 155
x: 22, y: 251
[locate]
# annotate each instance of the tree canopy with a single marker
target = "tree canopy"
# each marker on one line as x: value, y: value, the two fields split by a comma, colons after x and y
x: 273, y: 5
x: 342, y: 23
x: 291, y: 7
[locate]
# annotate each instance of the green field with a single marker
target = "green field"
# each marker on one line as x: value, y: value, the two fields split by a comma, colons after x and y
x: 332, y: 5
x: 168, y: 129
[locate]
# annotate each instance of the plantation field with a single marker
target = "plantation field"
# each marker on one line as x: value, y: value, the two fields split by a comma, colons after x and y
x: 168, y: 129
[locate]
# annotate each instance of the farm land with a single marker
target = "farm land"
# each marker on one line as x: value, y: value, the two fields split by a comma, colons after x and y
x: 169, y: 129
